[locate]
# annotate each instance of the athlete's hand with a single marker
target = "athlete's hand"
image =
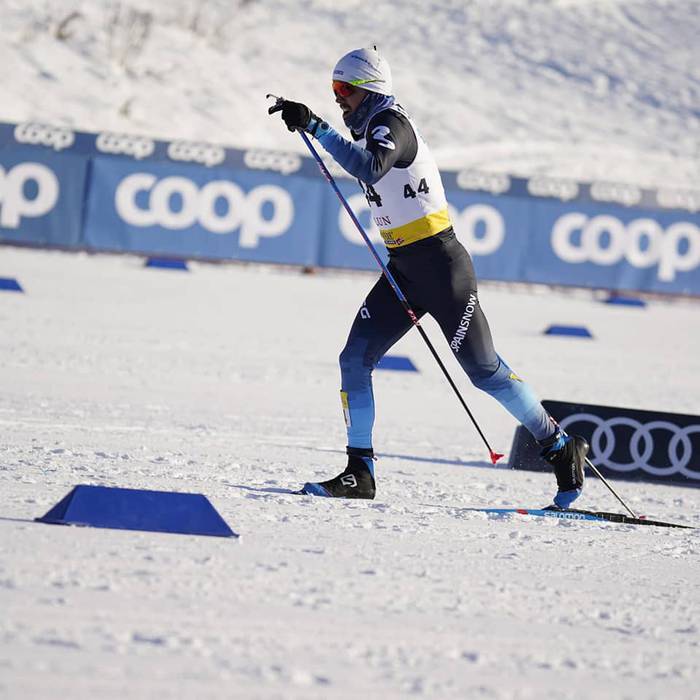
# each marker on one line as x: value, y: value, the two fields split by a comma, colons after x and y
x: 294, y: 114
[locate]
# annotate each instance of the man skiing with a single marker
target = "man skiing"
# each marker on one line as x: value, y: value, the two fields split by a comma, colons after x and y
x: 407, y: 201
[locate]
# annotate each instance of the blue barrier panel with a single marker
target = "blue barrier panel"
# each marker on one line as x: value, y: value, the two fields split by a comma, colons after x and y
x: 135, y: 509
x: 185, y: 199
x: 9, y: 284
x: 397, y: 362
x: 6, y: 134
x: 542, y: 240
x: 41, y: 196
x: 341, y: 242
x: 167, y: 263
x: 495, y: 229
x: 611, y: 247
x: 575, y: 331
x: 192, y: 211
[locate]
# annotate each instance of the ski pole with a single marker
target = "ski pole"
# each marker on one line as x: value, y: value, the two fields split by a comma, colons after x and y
x: 607, y: 483
x: 494, y: 456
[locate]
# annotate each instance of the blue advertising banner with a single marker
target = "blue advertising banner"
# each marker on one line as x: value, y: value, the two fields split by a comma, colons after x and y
x: 494, y: 230
x: 190, y: 211
x: 41, y: 196
x: 341, y: 242
x: 187, y: 199
x: 542, y: 240
x: 611, y: 247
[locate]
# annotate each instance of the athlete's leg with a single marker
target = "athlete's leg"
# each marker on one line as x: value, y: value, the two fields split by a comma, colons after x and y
x: 566, y: 454
x: 379, y: 323
x: 457, y: 309
x: 454, y: 303
x: 490, y: 373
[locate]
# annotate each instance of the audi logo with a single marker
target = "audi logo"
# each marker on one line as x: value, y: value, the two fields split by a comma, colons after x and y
x: 641, y: 444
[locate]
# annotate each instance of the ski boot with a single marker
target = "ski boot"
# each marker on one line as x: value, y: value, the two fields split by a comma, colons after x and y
x: 357, y: 481
x: 567, y: 454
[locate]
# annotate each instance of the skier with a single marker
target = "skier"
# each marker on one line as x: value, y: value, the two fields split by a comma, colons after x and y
x: 404, y: 191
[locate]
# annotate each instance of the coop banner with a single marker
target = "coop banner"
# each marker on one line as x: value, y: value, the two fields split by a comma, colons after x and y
x: 206, y: 212
x: 41, y: 196
x: 599, y: 234
x: 611, y: 247
x: 543, y: 240
x: 123, y: 192
x: 491, y: 230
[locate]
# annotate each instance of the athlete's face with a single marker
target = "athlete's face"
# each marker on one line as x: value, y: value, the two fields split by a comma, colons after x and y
x: 347, y: 96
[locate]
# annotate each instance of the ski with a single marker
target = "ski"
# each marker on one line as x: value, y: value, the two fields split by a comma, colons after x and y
x: 564, y: 514
x: 574, y: 514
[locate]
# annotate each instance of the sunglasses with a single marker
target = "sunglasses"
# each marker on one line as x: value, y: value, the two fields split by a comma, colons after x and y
x: 342, y: 89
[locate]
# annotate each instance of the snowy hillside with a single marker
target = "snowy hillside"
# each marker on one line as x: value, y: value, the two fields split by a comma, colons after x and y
x: 589, y: 89
x: 118, y: 375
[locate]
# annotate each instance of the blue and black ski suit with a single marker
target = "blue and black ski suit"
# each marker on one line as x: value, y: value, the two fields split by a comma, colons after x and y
x: 430, y: 265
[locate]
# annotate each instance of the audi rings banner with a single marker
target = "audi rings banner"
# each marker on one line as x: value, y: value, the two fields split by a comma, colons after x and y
x: 122, y: 192
x: 625, y: 443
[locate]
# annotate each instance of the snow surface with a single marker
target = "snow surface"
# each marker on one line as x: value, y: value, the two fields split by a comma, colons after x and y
x: 584, y: 89
x: 223, y: 381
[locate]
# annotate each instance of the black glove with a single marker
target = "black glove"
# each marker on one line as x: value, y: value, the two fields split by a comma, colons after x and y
x: 294, y: 114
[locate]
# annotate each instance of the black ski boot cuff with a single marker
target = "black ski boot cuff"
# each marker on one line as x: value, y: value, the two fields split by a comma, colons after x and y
x: 550, y: 441
x: 360, y: 452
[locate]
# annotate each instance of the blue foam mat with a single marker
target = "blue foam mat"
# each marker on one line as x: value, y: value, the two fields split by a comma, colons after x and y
x: 135, y: 509
x: 625, y: 301
x: 167, y: 263
x: 572, y: 331
x: 10, y: 284
x: 398, y: 363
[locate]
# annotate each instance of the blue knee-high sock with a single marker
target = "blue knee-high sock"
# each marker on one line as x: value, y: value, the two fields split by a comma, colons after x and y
x: 357, y: 396
x: 518, y: 399
x: 358, y: 409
